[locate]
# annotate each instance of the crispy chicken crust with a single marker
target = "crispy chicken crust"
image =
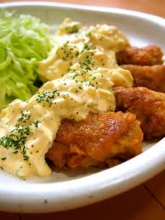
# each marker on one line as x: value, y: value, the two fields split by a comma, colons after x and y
x: 107, y: 139
x: 147, y: 105
x: 152, y: 77
x: 149, y: 55
x: 101, y: 139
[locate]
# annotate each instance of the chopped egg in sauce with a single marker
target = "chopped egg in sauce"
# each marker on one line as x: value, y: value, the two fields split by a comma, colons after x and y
x: 78, y: 75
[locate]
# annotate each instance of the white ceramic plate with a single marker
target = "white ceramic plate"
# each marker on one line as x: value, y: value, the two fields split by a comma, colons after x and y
x: 64, y: 191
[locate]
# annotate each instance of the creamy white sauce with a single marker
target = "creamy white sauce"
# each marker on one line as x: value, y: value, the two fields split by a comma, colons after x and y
x: 81, y: 72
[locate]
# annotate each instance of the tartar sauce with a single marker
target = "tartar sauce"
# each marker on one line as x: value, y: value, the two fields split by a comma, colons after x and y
x: 79, y: 76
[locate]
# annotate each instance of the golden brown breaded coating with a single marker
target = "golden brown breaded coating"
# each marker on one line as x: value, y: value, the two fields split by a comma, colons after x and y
x: 147, y: 105
x: 104, y: 138
x: 152, y: 77
x: 149, y: 55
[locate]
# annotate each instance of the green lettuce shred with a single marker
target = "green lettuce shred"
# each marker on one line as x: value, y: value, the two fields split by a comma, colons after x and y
x: 24, y: 41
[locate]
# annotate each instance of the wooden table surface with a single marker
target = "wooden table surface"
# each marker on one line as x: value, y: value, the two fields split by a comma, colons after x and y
x: 146, y: 202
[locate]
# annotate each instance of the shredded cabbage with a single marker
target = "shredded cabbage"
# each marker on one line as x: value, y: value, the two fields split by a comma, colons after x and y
x: 24, y: 41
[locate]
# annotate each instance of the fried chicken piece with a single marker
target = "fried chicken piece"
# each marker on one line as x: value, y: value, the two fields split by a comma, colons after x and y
x: 147, y: 105
x: 152, y: 77
x: 101, y: 139
x: 149, y: 55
